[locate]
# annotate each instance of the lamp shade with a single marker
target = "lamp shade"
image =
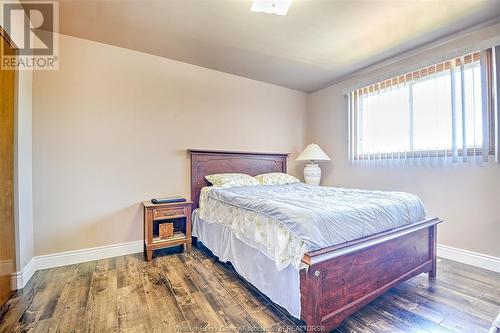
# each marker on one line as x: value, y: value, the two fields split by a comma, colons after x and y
x: 313, y: 152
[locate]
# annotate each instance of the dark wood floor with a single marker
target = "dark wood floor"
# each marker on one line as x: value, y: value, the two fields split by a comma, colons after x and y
x: 178, y: 292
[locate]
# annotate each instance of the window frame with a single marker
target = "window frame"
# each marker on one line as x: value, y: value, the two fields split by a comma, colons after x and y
x: 472, y: 151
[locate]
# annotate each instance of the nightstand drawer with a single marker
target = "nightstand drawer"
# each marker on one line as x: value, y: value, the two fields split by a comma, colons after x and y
x: 159, y: 214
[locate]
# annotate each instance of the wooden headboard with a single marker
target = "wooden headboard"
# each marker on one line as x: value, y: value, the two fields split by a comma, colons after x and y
x: 207, y: 162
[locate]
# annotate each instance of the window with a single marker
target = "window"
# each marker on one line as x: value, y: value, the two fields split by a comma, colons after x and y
x: 438, y: 111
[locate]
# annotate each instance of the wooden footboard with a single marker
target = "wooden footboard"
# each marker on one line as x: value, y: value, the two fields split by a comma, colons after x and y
x: 342, y: 279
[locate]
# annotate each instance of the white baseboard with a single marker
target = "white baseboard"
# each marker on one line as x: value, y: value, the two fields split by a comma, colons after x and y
x: 102, y: 252
x: 73, y: 257
x: 468, y: 257
x: 84, y: 255
x: 21, y: 278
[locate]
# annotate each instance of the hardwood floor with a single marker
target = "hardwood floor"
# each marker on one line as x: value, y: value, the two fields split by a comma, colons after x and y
x: 178, y: 292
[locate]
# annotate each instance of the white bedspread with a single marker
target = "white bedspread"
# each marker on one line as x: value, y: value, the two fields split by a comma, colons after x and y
x: 281, y: 286
x: 284, y: 222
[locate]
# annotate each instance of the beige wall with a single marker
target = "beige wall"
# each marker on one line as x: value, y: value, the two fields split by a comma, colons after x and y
x: 111, y: 128
x: 465, y: 197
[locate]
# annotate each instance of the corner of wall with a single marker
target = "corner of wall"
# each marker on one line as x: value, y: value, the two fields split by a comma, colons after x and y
x: 308, y: 137
x: 23, y: 191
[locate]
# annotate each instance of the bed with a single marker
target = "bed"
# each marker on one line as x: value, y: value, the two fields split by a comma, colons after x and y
x: 331, y: 282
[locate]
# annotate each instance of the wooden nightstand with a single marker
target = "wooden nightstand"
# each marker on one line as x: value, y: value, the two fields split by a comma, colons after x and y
x: 178, y: 213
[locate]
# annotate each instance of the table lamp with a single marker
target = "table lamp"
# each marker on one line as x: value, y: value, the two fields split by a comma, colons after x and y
x: 313, y: 153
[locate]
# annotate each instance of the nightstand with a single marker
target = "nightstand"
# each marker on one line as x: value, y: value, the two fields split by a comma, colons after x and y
x: 178, y: 213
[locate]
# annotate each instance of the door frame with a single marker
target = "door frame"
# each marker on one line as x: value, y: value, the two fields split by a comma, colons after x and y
x: 17, y: 264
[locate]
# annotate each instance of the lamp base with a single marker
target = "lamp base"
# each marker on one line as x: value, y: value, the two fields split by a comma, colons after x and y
x: 312, y: 174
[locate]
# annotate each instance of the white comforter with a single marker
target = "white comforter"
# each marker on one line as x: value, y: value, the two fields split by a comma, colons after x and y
x: 284, y: 222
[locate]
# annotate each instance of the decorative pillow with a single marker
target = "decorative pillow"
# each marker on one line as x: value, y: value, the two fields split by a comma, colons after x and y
x: 231, y: 179
x: 276, y: 178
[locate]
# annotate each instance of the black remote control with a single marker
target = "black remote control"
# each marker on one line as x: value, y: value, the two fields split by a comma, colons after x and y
x: 167, y: 200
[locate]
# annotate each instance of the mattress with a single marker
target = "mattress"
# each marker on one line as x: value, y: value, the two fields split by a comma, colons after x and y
x: 281, y: 286
x: 286, y: 221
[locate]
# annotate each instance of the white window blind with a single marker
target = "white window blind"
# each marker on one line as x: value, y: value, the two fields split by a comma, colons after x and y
x: 443, y: 112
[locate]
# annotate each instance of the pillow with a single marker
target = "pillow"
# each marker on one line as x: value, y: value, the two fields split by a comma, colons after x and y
x: 276, y: 178
x: 231, y: 179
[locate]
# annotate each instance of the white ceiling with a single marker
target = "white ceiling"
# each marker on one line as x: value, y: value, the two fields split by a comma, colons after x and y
x: 318, y: 42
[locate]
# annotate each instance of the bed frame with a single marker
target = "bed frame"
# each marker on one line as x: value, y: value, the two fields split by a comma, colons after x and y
x: 343, y: 278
